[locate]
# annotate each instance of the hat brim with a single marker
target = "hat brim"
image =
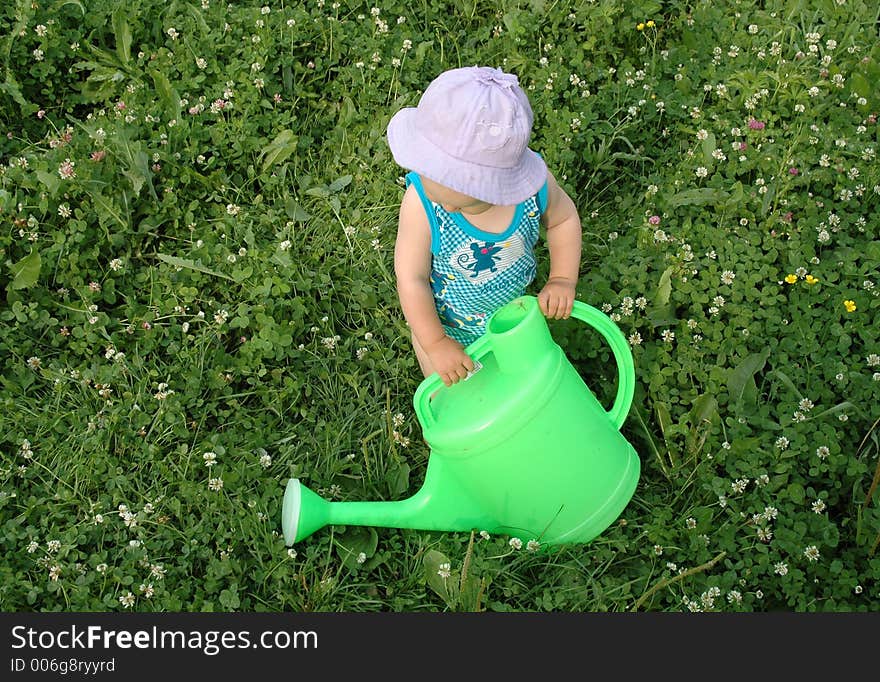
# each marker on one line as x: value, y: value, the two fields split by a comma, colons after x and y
x: 500, y: 186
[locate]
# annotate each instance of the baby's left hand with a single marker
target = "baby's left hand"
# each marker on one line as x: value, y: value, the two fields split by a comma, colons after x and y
x: 557, y: 298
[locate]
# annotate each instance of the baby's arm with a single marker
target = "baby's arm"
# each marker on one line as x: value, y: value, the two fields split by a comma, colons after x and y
x: 412, y: 267
x: 564, y: 242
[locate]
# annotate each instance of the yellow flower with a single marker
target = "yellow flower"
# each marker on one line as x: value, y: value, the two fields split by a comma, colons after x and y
x: 640, y: 27
x: 811, y: 280
x: 791, y: 279
x: 650, y: 23
x: 850, y: 306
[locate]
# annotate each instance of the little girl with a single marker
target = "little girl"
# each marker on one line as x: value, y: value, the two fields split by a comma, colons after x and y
x: 475, y: 198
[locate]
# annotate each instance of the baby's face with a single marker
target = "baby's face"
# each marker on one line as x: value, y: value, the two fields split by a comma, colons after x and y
x: 452, y: 201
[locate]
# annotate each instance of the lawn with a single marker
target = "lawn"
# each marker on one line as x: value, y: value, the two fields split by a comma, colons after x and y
x: 198, y: 210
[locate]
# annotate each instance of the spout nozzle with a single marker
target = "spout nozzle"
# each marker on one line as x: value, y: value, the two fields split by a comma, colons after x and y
x: 302, y: 512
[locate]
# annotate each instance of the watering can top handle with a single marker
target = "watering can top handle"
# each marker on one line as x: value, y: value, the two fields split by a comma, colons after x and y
x: 586, y: 313
x: 626, y: 372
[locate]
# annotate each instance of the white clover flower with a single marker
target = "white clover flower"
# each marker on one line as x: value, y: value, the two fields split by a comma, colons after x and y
x: 516, y: 543
x: 811, y: 552
x: 443, y: 570
x: 162, y: 392
x: 739, y: 485
x: 780, y: 568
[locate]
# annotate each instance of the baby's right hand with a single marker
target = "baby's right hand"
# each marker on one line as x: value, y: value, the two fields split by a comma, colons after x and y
x: 449, y: 360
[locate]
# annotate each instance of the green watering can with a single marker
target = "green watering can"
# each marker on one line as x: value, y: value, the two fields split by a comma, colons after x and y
x: 521, y: 447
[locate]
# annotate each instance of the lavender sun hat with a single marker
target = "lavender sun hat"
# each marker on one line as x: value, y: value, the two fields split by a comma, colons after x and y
x: 470, y: 132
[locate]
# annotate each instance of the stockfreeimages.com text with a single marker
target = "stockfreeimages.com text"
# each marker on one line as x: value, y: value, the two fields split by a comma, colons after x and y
x: 210, y: 642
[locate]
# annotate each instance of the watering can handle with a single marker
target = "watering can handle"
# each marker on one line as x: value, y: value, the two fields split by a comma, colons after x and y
x: 626, y: 379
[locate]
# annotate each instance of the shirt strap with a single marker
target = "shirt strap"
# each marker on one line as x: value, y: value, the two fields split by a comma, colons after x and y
x: 542, y: 199
x: 542, y: 193
x: 412, y: 178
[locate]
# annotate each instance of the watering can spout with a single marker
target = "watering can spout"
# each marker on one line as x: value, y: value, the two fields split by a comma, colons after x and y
x: 440, y: 504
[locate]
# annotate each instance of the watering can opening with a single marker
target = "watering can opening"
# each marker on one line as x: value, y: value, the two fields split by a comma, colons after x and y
x: 508, y: 317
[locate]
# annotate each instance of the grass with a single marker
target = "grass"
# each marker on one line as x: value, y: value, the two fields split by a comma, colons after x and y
x: 206, y: 306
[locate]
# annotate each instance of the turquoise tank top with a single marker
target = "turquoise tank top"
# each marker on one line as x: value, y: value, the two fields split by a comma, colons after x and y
x: 473, y: 273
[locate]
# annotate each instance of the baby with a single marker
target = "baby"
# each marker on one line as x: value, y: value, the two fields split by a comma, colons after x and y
x: 476, y: 197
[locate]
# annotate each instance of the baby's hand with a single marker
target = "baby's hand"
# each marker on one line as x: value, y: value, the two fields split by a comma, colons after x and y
x: 557, y: 298
x: 449, y: 360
